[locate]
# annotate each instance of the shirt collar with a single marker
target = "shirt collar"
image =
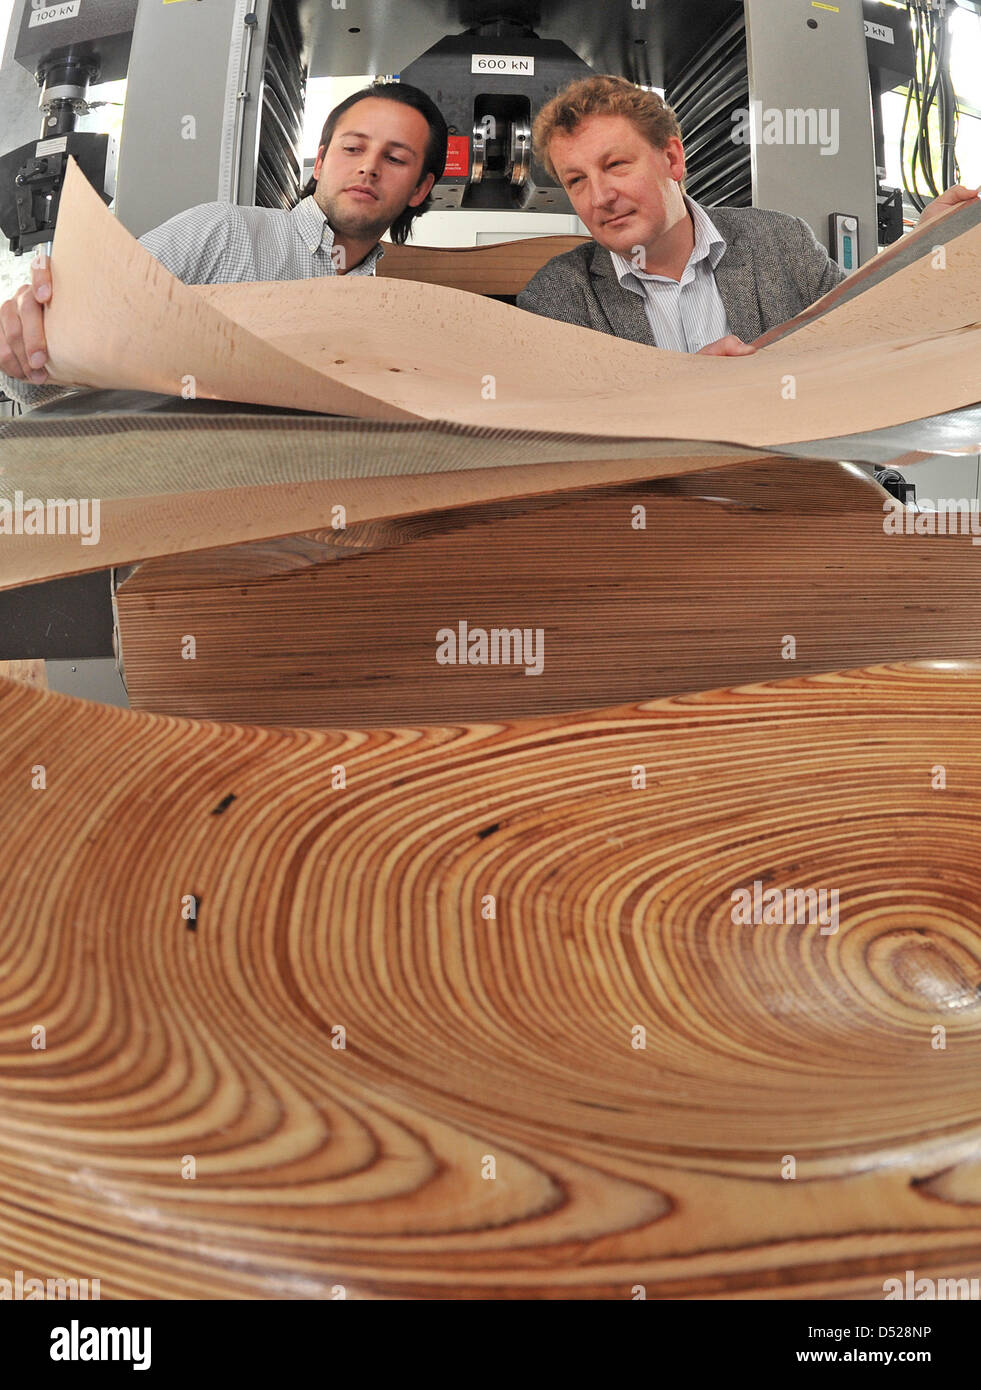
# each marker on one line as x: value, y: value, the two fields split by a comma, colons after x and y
x: 315, y: 231
x: 710, y: 244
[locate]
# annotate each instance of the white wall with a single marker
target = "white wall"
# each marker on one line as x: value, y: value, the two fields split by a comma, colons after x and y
x: 945, y: 475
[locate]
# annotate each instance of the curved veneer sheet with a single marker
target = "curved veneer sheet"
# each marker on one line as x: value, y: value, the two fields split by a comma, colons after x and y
x: 905, y: 347
x: 500, y: 1010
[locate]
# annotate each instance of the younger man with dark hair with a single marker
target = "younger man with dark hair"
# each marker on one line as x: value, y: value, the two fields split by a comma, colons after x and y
x: 381, y: 152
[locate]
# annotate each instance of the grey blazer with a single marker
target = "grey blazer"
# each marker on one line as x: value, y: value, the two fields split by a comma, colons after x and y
x: 773, y: 267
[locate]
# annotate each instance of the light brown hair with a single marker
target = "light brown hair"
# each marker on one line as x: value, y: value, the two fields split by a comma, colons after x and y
x: 603, y: 96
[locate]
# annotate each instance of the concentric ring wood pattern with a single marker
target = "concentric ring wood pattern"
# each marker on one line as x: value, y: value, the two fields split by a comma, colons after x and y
x: 470, y: 1038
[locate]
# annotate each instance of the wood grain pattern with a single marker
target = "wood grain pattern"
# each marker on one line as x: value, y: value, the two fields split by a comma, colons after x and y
x: 401, y: 350
x: 911, y: 294
x: 924, y: 241
x: 504, y: 268
x: 30, y: 672
x: 469, y: 1038
x: 341, y: 627
x: 169, y: 486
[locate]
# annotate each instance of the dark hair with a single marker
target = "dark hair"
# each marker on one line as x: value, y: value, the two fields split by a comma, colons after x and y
x: 434, y: 159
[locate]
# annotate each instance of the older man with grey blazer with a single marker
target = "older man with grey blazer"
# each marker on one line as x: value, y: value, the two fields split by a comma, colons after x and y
x: 659, y: 269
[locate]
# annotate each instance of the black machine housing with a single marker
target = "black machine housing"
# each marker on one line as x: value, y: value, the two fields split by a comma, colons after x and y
x: 490, y: 88
x: 67, y: 46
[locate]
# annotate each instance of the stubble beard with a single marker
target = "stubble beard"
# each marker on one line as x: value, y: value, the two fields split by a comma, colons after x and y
x: 363, y: 225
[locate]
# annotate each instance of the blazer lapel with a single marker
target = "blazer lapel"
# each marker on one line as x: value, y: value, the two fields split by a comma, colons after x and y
x: 627, y: 318
x: 623, y: 310
x: 737, y: 285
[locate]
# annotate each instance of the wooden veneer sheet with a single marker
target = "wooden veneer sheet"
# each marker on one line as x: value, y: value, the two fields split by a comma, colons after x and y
x: 383, y: 349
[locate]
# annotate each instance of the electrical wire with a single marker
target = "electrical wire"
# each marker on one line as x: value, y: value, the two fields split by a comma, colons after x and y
x: 930, y: 97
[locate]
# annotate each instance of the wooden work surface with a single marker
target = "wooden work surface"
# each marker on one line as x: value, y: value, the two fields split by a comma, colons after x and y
x: 491, y: 1127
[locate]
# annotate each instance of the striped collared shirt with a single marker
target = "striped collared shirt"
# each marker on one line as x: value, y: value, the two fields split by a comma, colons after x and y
x: 222, y: 243
x: 684, y: 316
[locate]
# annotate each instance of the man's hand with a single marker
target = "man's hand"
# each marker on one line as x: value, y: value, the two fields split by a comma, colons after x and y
x: 23, y: 349
x: 953, y: 198
x: 726, y: 347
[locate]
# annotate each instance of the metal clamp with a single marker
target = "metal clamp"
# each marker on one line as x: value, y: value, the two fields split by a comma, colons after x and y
x: 479, y: 153
x: 520, y: 153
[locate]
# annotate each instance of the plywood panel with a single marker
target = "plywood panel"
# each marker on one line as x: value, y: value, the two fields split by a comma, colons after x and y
x: 344, y: 626
x: 502, y: 269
